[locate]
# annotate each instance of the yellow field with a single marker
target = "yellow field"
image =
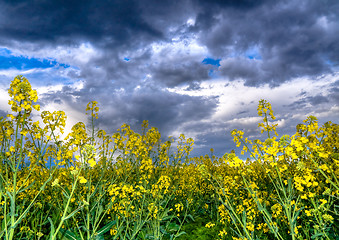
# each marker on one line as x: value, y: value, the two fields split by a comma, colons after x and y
x: 131, y: 185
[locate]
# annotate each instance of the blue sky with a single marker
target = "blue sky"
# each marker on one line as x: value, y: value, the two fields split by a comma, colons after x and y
x: 211, y: 61
x: 7, y: 61
x: 191, y: 67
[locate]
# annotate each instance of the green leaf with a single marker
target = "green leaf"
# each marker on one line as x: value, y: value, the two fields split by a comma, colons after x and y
x: 69, y: 235
x: 317, y: 235
x: 65, y: 194
x: 10, y: 196
x: 99, y: 237
x: 297, y: 214
x: 191, y: 217
x: 52, y: 228
x: 24, y: 189
x: 179, y: 234
x: 167, y: 217
x: 74, y: 212
x: 106, y: 228
x: 3, y: 225
x: 173, y: 227
x: 45, y: 183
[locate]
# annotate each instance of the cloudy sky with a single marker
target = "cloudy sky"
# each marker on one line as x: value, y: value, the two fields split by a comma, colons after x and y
x: 191, y: 66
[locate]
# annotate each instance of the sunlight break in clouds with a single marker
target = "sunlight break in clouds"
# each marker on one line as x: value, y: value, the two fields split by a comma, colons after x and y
x: 235, y: 98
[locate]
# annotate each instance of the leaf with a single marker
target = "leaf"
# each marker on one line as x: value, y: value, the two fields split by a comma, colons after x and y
x: 65, y: 194
x: 69, y: 235
x: 3, y: 226
x: 74, y: 212
x: 45, y: 183
x: 297, y: 214
x: 317, y: 235
x: 10, y: 196
x: 179, y: 234
x: 99, y: 237
x: 24, y: 189
x: 191, y: 217
x: 106, y: 228
x: 52, y: 228
x: 167, y: 217
x: 173, y: 227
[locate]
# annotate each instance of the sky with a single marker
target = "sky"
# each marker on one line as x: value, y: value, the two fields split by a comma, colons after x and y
x: 191, y: 66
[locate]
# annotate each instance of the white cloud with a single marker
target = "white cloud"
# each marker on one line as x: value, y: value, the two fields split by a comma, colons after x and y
x: 12, y: 72
x: 180, y: 50
x: 190, y: 22
x: 72, y: 55
x: 245, y: 120
x: 4, y: 97
x: 235, y: 98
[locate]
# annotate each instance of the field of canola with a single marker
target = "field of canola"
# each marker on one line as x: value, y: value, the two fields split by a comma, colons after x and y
x: 131, y: 185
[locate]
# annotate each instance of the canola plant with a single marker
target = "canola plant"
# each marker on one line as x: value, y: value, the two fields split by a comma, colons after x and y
x: 91, y: 185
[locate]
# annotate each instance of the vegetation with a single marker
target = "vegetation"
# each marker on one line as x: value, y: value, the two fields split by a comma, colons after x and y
x: 134, y: 186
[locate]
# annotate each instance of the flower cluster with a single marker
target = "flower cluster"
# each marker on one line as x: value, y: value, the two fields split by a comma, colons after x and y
x: 132, y: 185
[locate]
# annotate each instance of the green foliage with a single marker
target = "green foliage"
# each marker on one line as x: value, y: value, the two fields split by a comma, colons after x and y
x: 93, y: 186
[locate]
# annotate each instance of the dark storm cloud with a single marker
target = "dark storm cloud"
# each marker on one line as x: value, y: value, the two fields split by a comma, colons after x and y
x: 217, y: 135
x: 3, y: 114
x: 209, y: 135
x: 163, y: 109
x: 128, y: 74
x: 232, y: 4
x: 220, y: 141
x: 293, y: 39
x: 193, y: 86
x: 308, y: 102
x: 176, y: 73
x: 242, y: 68
x: 242, y: 112
x: 109, y: 68
x: 114, y: 24
x: 68, y: 22
x: 334, y: 93
x: 316, y: 100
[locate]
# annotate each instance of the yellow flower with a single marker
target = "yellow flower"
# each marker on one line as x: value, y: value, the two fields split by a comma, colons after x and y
x: 39, y: 234
x: 222, y: 233
x: 308, y: 213
x: 210, y: 225
x: 296, y: 229
x: 92, y: 162
x: 55, y: 182
x: 73, y: 171
x: 179, y: 207
x: 113, y: 231
x: 36, y: 107
x: 82, y: 179
x: 24, y: 132
x: 328, y: 218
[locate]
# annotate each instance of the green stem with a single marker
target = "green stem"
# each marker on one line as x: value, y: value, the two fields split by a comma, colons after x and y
x: 66, y: 208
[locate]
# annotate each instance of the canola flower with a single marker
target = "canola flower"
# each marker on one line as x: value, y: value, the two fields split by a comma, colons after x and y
x: 131, y: 185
